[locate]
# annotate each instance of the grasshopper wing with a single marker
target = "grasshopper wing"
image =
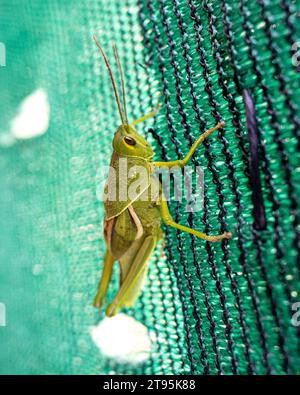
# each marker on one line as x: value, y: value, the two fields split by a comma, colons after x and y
x: 128, y: 179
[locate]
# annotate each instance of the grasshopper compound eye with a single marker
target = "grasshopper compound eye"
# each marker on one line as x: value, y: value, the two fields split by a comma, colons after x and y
x: 129, y: 140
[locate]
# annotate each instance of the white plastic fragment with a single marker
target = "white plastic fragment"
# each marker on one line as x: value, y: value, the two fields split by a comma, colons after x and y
x: 33, y: 116
x: 123, y: 338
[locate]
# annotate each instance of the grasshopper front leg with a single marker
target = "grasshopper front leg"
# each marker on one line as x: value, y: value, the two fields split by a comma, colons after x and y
x: 185, y: 160
x: 147, y: 116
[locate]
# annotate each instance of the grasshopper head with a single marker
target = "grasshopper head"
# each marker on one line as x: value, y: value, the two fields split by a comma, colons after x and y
x: 128, y: 142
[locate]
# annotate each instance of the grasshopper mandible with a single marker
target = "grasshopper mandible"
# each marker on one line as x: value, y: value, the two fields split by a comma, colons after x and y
x: 132, y: 228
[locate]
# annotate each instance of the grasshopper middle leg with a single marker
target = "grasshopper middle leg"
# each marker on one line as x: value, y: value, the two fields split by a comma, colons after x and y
x: 169, y: 221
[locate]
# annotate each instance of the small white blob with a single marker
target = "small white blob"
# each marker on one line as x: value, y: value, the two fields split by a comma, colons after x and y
x: 33, y: 115
x: 2, y: 314
x: 123, y: 338
x: 37, y: 269
x: 7, y: 140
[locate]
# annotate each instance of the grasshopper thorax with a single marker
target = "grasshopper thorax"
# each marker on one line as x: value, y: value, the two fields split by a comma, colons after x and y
x: 128, y: 142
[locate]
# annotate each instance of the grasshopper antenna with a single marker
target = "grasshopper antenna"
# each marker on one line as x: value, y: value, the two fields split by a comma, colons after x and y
x: 122, y: 80
x: 111, y: 77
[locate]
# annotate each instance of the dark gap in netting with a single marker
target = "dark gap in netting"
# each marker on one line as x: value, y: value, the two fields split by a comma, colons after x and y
x: 164, y: 157
x: 285, y: 165
x: 277, y: 138
x: 198, y: 24
x: 257, y: 197
x: 179, y: 154
x: 275, y: 204
x: 242, y: 258
x: 189, y: 138
x: 228, y: 160
x: 226, y: 18
x: 278, y: 75
x: 185, y: 48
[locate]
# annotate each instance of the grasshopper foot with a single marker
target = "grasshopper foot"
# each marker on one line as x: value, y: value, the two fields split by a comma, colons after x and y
x: 111, y: 310
x: 225, y: 235
x: 98, y: 301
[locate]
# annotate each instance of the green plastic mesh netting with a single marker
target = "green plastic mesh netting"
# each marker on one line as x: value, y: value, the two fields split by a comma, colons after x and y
x: 211, y: 308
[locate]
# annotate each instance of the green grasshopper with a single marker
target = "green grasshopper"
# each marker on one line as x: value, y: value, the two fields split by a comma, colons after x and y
x: 132, y: 227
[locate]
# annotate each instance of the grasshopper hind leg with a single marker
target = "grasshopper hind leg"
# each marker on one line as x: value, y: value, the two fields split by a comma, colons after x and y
x: 106, y: 275
x: 134, y: 293
x: 132, y: 282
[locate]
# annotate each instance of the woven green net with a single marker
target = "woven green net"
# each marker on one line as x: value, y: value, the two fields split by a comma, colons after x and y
x: 221, y: 308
